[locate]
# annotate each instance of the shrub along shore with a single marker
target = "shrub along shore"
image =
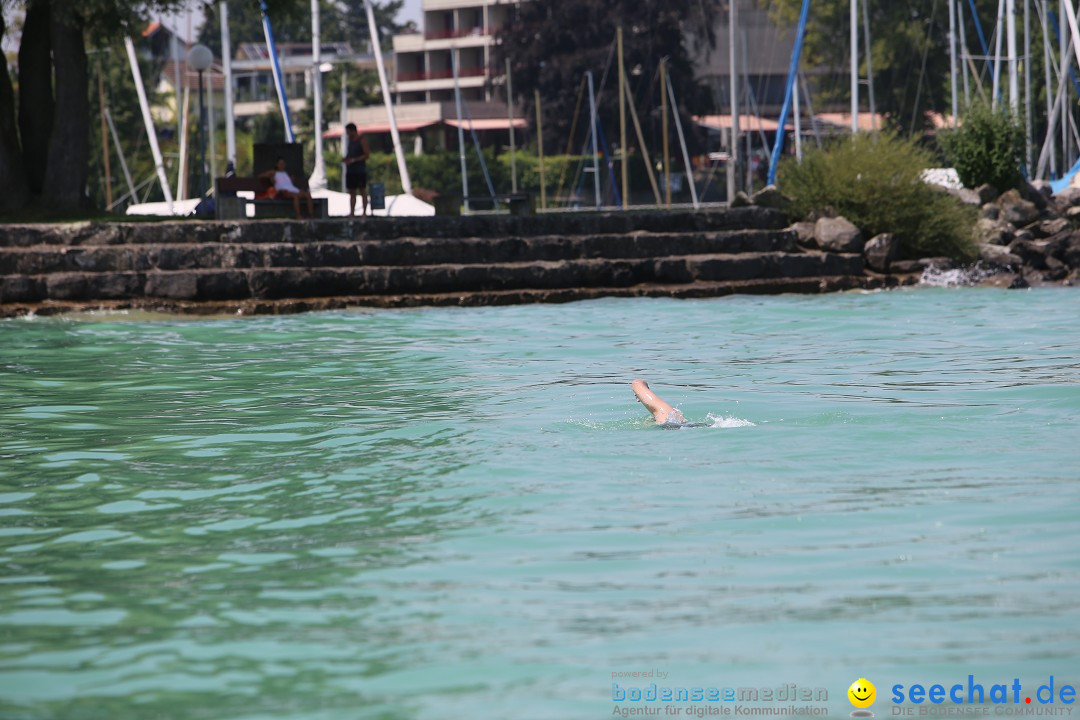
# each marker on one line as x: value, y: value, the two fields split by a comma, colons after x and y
x: 870, y: 193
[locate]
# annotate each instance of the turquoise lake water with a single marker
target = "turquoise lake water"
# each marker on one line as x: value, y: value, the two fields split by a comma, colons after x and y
x: 463, y: 513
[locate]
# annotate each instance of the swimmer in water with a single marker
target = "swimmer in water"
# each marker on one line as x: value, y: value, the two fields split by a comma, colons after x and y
x: 663, y: 413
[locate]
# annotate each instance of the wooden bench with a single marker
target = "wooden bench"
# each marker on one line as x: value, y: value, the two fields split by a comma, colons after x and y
x: 231, y: 207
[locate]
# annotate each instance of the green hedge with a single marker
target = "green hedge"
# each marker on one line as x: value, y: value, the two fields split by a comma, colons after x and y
x: 441, y: 172
x: 875, y: 181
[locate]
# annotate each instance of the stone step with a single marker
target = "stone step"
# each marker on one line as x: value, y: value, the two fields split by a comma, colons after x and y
x: 38, y: 259
x: 275, y: 283
x: 277, y: 230
x: 250, y: 306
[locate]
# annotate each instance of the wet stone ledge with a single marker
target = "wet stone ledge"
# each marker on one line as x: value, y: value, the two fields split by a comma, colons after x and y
x: 282, y: 265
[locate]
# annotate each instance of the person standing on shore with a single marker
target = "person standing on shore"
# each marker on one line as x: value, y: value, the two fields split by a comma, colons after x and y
x: 356, y: 169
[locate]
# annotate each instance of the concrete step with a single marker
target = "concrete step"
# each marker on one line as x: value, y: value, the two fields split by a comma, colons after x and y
x: 260, y: 306
x: 42, y: 259
x: 299, y: 282
x: 277, y: 230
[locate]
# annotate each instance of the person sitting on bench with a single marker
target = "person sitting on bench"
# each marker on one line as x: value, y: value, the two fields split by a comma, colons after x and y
x: 285, y: 189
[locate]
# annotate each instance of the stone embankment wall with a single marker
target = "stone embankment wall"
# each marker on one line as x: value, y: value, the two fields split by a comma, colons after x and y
x: 287, y: 266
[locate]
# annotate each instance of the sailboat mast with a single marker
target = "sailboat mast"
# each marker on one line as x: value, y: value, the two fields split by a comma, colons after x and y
x: 1028, y: 131
x: 403, y: 170
x: 317, y: 181
x: 733, y: 90
x: 869, y: 63
x: 1014, y: 75
x: 854, y: 66
x: 1051, y: 137
x: 595, y: 149
x: 226, y: 65
x: 952, y: 62
x: 999, y: 32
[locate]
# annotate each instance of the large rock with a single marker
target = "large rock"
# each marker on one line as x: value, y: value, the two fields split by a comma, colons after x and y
x: 770, y: 196
x: 1044, y: 187
x: 741, y: 200
x: 1017, y: 210
x: 804, y: 232
x: 1049, y: 228
x: 994, y: 232
x: 998, y: 256
x: 1071, y: 254
x: 1030, y: 252
x: 1040, y: 197
x: 1069, y: 197
x: 966, y: 196
x: 1055, y: 270
x: 1055, y: 246
x: 880, y: 251
x: 987, y: 193
x: 838, y: 235
x: 921, y: 264
x: 1019, y: 283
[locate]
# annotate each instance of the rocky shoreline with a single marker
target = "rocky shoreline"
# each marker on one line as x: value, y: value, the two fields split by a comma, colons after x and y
x: 1025, y: 238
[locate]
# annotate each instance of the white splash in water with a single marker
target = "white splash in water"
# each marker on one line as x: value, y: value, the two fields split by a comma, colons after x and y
x: 718, y: 421
x: 959, y: 277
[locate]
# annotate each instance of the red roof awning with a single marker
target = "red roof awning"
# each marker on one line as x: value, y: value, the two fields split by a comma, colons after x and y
x: 488, y: 123
x: 747, y: 123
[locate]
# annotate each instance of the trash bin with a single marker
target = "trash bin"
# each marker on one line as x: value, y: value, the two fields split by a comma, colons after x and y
x: 447, y: 204
x: 522, y: 204
x: 378, y: 196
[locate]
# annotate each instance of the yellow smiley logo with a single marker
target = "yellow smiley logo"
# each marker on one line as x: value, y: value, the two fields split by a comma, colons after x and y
x: 862, y: 693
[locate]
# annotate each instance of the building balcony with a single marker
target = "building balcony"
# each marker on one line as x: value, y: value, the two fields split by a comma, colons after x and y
x: 429, y: 5
x: 439, y: 83
x: 442, y: 74
x: 457, y: 33
x: 412, y: 42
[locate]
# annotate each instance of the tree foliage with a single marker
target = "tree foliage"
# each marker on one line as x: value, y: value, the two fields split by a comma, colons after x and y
x: 909, y: 48
x: 988, y: 147
x: 44, y: 155
x: 552, y: 43
x: 50, y: 140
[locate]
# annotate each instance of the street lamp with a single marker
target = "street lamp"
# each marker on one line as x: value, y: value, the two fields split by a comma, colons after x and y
x: 200, y: 58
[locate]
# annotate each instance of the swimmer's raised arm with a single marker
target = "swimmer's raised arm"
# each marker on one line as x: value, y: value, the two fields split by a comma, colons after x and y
x: 661, y: 411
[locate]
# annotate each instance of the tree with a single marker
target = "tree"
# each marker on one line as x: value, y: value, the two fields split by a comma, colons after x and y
x: 44, y: 153
x: 910, y: 53
x: 552, y: 43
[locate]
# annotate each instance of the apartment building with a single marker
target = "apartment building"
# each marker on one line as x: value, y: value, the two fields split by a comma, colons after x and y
x: 464, y: 29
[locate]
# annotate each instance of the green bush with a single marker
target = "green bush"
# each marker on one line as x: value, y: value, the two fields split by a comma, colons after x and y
x: 987, y: 148
x: 441, y: 172
x: 875, y: 181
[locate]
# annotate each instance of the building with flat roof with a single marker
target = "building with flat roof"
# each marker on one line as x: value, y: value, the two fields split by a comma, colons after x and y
x: 762, y: 59
x: 463, y: 29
